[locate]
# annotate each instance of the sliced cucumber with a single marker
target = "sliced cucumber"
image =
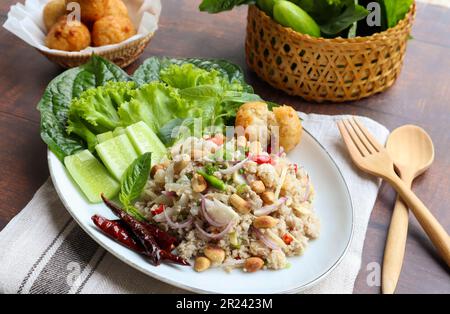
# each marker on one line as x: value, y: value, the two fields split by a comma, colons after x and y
x: 145, y: 140
x: 117, y: 154
x: 104, y: 136
x: 118, y: 131
x: 91, y: 176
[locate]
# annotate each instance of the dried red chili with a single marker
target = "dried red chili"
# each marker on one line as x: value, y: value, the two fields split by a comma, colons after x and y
x: 116, y: 230
x: 152, y: 249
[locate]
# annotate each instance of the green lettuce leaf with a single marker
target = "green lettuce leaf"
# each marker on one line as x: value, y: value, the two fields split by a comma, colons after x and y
x: 154, y: 103
x: 95, y: 110
x: 188, y: 75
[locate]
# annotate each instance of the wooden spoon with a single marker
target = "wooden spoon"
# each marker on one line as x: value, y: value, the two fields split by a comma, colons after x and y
x: 412, y: 151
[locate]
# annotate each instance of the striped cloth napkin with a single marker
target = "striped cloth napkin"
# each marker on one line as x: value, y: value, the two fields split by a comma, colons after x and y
x: 43, y: 250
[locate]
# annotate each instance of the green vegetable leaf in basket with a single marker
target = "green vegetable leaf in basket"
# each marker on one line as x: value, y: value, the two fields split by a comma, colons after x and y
x: 395, y: 10
x: 216, y: 6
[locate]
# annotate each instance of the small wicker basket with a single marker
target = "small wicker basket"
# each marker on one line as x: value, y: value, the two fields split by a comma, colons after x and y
x: 123, y: 55
x: 319, y: 69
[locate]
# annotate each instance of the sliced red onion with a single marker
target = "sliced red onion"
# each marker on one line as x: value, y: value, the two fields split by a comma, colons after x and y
x: 270, y: 208
x: 280, y: 152
x: 177, y: 225
x: 234, y: 168
x: 169, y: 193
x: 215, y: 235
x: 208, y: 218
x: 265, y: 240
x: 307, y: 192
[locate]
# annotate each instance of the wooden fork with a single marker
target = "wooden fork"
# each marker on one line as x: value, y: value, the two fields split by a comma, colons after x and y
x: 373, y: 158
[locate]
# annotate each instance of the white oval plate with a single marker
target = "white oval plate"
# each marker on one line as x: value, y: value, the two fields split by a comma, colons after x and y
x: 333, y: 206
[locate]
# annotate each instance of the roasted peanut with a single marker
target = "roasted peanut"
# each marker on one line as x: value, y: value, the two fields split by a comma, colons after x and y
x: 258, y: 186
x: 241, y: 205
x: 253, y: 264
x: 215, y: 254
x: 265, y: 222
x: 196, y: 154
x: 198, y: 183
x: 155, y: 169
x: 268, y: 197
x: 201, y: 264
x: 180, y: 165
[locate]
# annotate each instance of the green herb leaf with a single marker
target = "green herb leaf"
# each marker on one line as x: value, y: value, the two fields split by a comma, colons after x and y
x: 135, y: 179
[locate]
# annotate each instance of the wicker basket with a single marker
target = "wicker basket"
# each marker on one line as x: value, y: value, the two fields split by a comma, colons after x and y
x: 123, y: 55
x: 320, y: 69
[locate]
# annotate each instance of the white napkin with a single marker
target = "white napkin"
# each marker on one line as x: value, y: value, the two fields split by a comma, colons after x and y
x: 42, y: 250
x: 26, y: 22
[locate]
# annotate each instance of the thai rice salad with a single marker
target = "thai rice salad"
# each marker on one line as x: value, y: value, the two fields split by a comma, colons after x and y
x: 231, y: 204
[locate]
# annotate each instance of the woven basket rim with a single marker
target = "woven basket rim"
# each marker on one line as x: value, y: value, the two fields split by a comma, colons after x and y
x: 78, y: 54
x: 340, y: 40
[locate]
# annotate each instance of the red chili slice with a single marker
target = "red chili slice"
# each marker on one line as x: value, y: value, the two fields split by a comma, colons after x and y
x: 158, y: 210
x: 262, y: 159
x: 287, y: 239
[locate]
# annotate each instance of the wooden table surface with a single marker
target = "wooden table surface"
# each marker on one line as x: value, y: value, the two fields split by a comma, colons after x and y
x: 421, y: 96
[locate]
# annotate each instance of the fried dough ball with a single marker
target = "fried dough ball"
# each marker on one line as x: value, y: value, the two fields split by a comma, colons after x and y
x: 53, y: 10
x: 68, y: 35
x: 91, y: 10
x: 290, y: 127
x: 116, y: 8
x: 112, y: 30
x: 258, y: 121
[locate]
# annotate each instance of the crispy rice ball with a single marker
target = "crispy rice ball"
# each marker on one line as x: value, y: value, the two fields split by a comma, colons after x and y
x: 253, y: 113
x: 112, y: 30
x: 68, y: 35
x: 91, y: 10
x: 256, y: 119
x: 290, y: 126
x: 116, y: 8
x: 53, y: 10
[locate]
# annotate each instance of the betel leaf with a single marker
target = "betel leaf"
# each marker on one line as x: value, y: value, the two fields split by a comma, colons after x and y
x: 135, y: 179
x: 54, y: 105
x: 216, y: 6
